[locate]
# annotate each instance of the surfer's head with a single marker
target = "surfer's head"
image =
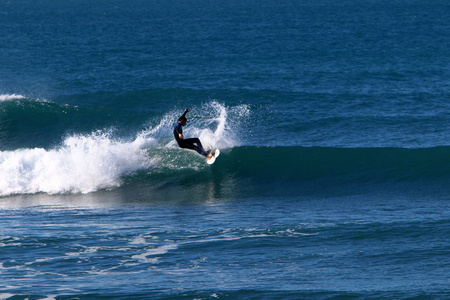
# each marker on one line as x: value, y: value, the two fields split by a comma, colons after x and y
x: 182, y: 120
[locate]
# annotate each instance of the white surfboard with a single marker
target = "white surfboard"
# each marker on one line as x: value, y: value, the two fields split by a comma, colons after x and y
x: 211, y: 160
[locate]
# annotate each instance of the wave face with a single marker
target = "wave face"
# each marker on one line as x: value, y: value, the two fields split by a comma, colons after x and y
x: 292, y: 172
x: 349, y: 164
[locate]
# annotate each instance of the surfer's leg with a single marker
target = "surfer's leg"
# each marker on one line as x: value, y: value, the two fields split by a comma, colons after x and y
x: 196, y: 145
x: 199, y: 148
x: 200, y: 151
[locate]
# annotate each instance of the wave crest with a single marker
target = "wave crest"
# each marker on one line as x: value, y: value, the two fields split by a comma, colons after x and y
x: 10, y: 97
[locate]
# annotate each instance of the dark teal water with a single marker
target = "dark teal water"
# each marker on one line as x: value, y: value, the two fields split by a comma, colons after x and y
x: 332, y: 120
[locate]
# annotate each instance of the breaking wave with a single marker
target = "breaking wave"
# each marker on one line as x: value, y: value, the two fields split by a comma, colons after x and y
x: 87, y: 163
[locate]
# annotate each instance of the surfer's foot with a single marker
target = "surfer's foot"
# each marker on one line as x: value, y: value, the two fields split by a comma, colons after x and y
x: 209, y: 155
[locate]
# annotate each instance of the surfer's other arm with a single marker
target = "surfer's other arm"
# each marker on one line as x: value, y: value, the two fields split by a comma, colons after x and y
x: 183, y: 117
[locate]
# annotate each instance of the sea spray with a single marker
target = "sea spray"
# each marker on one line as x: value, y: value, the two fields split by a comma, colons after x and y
x: 219, y: 126
x: 215, y: 124
x: 222, y: 136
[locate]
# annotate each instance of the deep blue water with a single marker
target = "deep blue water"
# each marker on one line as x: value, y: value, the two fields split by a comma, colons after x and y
x: 332, y: 120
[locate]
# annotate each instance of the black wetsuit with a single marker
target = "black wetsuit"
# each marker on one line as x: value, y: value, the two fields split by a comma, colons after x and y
x: 193, y: 143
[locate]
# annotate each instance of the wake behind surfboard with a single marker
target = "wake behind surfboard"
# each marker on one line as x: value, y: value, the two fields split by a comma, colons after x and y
x: 211, y: 160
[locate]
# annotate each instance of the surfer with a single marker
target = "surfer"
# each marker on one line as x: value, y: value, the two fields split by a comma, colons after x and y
x: 192, y: 143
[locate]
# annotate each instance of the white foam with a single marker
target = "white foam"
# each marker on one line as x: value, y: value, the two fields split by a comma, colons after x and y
x: 81, y: 165
x: 139, y: 240
x: 10, y: 97
x: 154, y: 252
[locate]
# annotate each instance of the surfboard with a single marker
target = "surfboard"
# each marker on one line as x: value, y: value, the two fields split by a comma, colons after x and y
x: 211, y: 160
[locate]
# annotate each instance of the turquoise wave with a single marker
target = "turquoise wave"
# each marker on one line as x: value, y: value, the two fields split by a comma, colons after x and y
x: 350, y: 164
x: 293, y: 171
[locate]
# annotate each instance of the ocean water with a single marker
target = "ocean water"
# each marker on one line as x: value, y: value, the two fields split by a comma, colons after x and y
x: 332, y: 118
